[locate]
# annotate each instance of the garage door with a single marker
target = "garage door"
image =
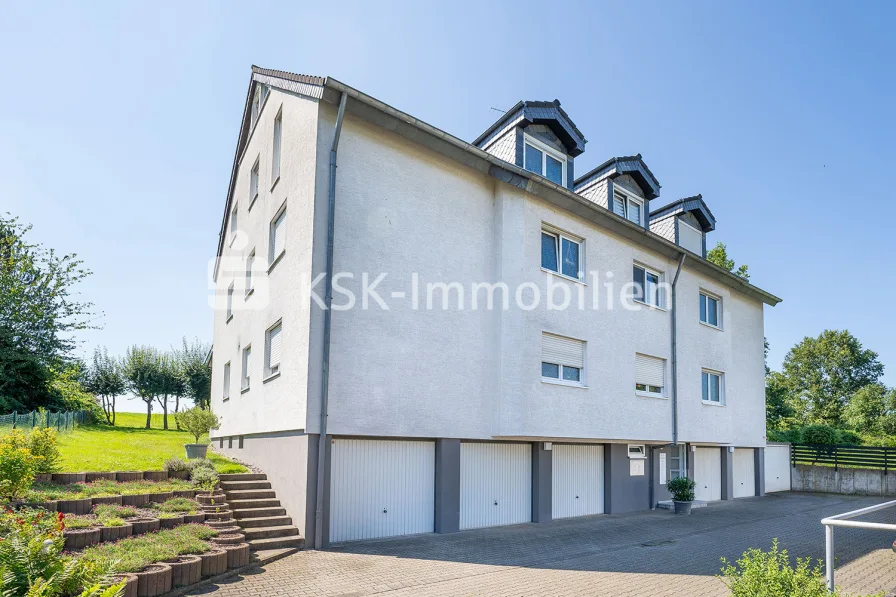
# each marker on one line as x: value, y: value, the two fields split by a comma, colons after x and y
x: 708, y: 474
x: 777, y: 468
x: 743, y: 466
x: 495, y: 484
x: 578, y: 480
x: 381, y: 488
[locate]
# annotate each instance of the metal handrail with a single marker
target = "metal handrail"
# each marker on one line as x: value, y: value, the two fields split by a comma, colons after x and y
x: 844, y: 520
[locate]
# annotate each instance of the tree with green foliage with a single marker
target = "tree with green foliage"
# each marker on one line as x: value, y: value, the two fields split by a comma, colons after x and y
x: 719, y: 256
x: 198, y: 421
x: 141, y: 373
x: 105, y: 379
x: 70, y: 393
x: 872, y: 409
x: 823, y: 373
x: 169, y: 383
x: 24, y: 378
x: 195, y: 371
x: 779, y: 410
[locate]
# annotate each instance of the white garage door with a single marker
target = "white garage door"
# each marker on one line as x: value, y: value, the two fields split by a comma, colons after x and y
x: 578, y: 480
x: 777, y: 468
x: 708, y: 474
x: 744, y: 475
x: 495, y: 484
x: 381, y: 488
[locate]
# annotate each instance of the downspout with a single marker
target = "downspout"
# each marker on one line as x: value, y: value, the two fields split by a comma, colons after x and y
x: 328, y: 318
x: 675, y: 354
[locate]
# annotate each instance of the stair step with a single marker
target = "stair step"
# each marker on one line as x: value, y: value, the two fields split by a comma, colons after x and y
x: 250, y: 494
x: 270, y: 532
x: 277, y: 543
x: 262, y: 503
x: 236, y: 485
x: 265, y: 521
x: 243, y: 477
x: 241, y: 513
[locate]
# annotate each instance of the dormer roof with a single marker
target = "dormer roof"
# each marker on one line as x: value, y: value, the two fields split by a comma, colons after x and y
x: 693, y: 205
x: 551, y: 114
x: 634, y: 166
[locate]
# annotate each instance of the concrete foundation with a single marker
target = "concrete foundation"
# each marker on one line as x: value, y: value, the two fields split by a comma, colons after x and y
x: 851, y: 481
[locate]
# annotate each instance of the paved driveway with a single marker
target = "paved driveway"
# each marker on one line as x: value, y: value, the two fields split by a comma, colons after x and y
x: 642, y: 554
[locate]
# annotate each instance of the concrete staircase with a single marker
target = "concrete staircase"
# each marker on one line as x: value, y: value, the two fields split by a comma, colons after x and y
x: 258, y: 513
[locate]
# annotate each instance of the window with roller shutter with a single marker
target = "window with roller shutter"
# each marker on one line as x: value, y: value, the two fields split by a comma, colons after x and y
x: 650, y: 375
x: 273, y: 349
x: 562, y: 359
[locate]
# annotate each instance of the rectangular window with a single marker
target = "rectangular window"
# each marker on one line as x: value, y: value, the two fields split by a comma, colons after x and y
x: 230, y: 301
x: 275, y: 154
x: 647, y: 286
x: 650, y: 375
x: 562, y: 359
x: 628, y: 207
x: 226, y: 390
x: 233, y: 222
x: 273, y: 350
x: 544, y: 160
x: 277, y: 237
x: 253, y: 184
x: 250, y: 263
x: 247, y: 362
x: 712, y: 387
x: 710, y: 309
x: 560, y: 253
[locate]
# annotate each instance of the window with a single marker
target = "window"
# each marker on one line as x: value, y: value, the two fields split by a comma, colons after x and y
x: 256, y: 106
x: 226, y: 390
x: 562, y: 359
x: 560, y: 253
x: 247, y: 361
x: 709, y: 309
x: 253, y: 184
x: 230, y: 302
x: 637, y: 451
x: 273, y: 350
x: 647, y: 286
x: 250, y: 263
x: 628, y: 207
x: 277, y: 237
x: 275, y: 155
x: 544, y: 160
x: 650, y: 375
x: 233, y: 223
x: 712, y: 387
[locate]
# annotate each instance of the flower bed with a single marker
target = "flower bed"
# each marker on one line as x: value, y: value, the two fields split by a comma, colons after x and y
x: 45, y: 492
x: 117, y: 522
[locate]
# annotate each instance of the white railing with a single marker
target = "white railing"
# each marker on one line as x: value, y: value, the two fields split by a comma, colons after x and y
x: 845, y: 520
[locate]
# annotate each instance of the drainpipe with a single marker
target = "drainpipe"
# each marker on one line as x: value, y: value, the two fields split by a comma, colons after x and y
x: 328, y: 318
x: 675, y: 355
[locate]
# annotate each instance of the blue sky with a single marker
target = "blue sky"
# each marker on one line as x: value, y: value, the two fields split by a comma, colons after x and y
x: 119, y: 122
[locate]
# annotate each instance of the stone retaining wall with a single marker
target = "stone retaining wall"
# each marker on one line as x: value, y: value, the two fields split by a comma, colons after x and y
x: 851, y: 481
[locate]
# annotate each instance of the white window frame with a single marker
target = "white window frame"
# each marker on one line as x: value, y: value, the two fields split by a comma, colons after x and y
x: 274, y: 259
x: 270, y: 373
x: 582, y: 383
x: 660, y: 294
x: 721, y: 376
x: 718, y: 299
x: 630, y: 198
x: 647, y: 392
x: 276, y: 147
x: 234, y: 222
x: 559, y: 236
x: 245, y: 363
x: 250, y: 280
x: 545, y: 149
x: 637, y: 451
x: 229, y: 311
x: 225, y: 390
x: 256, y: 107
x: 254, y: 182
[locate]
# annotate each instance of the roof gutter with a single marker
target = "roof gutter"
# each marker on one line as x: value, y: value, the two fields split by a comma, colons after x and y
x: 675, y: 353
x: 328, y: 322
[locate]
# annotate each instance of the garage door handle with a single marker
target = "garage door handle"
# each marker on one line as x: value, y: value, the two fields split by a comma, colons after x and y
x: 496, y: 502
x: 385, y: 511
x: 577, y: 497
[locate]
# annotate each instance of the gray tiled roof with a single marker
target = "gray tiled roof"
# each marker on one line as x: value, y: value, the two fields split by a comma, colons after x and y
x: 633, y: 165
x: 694, y: 205
x: 542, y: 113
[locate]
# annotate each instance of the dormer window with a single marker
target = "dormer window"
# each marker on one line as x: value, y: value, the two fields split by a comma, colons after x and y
x: 628, y: 207
x: 544, y: 160
x: 257, y: 101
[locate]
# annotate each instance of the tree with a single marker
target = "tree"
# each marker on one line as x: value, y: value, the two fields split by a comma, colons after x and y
x: 196, y: 371
x: 719, y: 256
x: 824, y: 373
x: 872, y: 409
x: 105, y: 379
x: 141, y: 372
x: 779, y: 410
x: 198, y: 421
x: 24, y: 379
x: 69, y: 392
x: 169, y: 383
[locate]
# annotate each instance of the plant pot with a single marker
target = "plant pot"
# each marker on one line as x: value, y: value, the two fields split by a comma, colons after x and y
x: 130, y: 583
x: 210, y: 498
x: 214, y: 562
x: 125, y: 476
x: 144, y: 525
x: 237, y: 555
x: 43, y: 477
x: 222, y: 515
x: 231, y: 539
x: 196, y: 450
x: 155, y: 476
x: 161, y: 497
x: 683, y: 508
x: 184, y: 493
x: 171, y: 522
x: 81, y: 506
x: 107, y: 499
x: 137, y: 499
x: 154, y: 580
x: 185, y: 570
x: 91, y: 477
x: 182, y: 475
x: 69, y: 478
x: 194, y: 518
x: 116, y: 533
x: 81, y: 538
x: 231, y: 530
x: 219, y: 524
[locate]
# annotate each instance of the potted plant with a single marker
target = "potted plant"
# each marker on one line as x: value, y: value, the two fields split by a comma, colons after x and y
x: 198, y: 422
x: 682, y: 490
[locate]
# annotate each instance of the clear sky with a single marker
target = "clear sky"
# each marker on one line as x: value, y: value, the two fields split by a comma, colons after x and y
x: 119, y: 121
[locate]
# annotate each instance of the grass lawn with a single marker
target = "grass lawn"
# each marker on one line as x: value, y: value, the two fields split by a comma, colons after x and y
x: 129, y: 446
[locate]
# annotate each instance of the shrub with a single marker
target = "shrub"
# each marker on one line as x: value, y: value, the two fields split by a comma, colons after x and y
x: 177, y: 465
x: 849, y: 438
x: 78, y: 522
x: 820, y: 434
x: 42, y: 443
x: 197, y: 421
x: 198, y: 463
x: 682, y: 489
x: 204, y: 478
x: 40, y: 519
x: 17, y: 468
